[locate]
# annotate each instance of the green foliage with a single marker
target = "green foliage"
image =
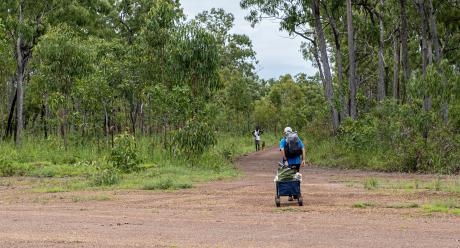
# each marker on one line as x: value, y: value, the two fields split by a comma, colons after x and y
x: 364, y: 205
x: 371, y: 183
x: 401, y: 205
x: 292, y: 102
x: 124, y: 154
x: 106, y: 176
x: 166, y: 184
x: 449, y: 206
x: 6, y: 168
x: 195, y: 138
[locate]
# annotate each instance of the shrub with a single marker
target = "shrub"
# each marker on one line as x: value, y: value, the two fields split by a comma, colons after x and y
x: 106, y: 176
x: 124, y: 155
x: 195, y: 138
x: 6, y: 168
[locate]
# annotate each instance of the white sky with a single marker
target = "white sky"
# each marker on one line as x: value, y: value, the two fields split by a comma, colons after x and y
x: 276, y: 52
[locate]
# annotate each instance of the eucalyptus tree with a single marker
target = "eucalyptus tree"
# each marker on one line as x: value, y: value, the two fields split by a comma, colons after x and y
x: 28, y: 20
x: 155, y: 52
x: 6, y: 75
x: 236, y: 71
x: 196, y: 62
x: 381, y: 85
x: 334, y: 12
x: 61, y: 60
x: 297, y: 17
x: 352, y: 62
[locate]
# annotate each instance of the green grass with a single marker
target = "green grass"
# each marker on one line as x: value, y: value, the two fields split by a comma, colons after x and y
x: 48, y: 167
x: 364, y: 205
x: 447, y: 206
x: 403, y: 205
x: 371, y: 183
x: 49, y: 190
x: 91, y: 198
x: 438, y: 184
x: 447, y: 185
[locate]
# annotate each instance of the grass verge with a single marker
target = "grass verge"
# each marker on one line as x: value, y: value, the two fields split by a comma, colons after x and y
x: 45, y: 166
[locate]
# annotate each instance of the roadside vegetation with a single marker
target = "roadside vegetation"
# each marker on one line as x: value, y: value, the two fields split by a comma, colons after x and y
x: 133, y: 94
x: 49, y: 168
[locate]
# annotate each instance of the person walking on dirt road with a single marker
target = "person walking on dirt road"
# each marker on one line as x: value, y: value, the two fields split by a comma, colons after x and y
x: 257, y: 133
x: 292, y: 150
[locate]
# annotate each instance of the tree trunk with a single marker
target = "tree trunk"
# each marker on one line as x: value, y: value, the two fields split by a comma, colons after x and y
x: 9, y: 125
x: 427, y: 55
x: 426, y: 46
x: 352, y: 61
x: 381, y: 85
x: 437, y: 59
x: 63, y: 128
x: 326, y: 68
x: 404, y: 52
x: 133, y: 116
x: 339, y: 64
x: 318, y: 62
x: 20, y: 71
x: 396, y: 88
x: 44, y: 122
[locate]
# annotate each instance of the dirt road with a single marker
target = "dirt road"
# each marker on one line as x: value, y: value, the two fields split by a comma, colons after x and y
x: 234, y: 213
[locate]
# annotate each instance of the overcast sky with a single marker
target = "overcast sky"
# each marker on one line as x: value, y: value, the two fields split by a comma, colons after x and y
x: 276, y: 52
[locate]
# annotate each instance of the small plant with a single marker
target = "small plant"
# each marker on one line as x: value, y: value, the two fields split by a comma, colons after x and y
x: 106, y: 176
x: 401, y: 205
x: 6, y: 168
x: 371, y: 183
x: 437, y: 184
x: 363, y: 205
x: 91, y: 198
x: 165, y: 184
x: 124, y: 154
x: 448, y: 206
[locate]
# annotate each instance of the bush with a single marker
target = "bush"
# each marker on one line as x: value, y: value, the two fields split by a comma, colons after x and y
x: 106, y: 176
x: 6, y: 168
x: 195, y: 138
x: 390, y: 138
x: 124, y: 155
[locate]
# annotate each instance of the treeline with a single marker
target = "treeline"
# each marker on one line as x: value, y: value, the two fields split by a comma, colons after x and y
x: 390, y: 76
x: 387, y: 95
x: 94, y: 69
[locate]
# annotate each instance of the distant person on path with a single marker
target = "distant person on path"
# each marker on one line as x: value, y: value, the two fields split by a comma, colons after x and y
x: 291, y: 149
x: 257, y: 133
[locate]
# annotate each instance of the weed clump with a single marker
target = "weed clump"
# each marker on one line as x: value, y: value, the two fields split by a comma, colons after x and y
x: 371, y: 183
x: 6, y: 168
x: 449, y: 206
x: 124, y: 154
x: 363, y: 205
x: 106, y: 176
x: 165, y: 184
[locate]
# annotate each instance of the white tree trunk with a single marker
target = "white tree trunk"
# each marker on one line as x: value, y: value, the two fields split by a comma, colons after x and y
x: 326, y: 67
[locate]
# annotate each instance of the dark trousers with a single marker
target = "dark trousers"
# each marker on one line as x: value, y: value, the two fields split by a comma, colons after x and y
x: 295, y: 167
x: 257, y: 145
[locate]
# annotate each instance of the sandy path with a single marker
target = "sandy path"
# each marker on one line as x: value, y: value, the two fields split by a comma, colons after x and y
x: 234, y: 213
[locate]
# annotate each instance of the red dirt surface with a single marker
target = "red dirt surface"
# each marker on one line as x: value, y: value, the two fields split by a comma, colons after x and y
x: 232, y: 213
